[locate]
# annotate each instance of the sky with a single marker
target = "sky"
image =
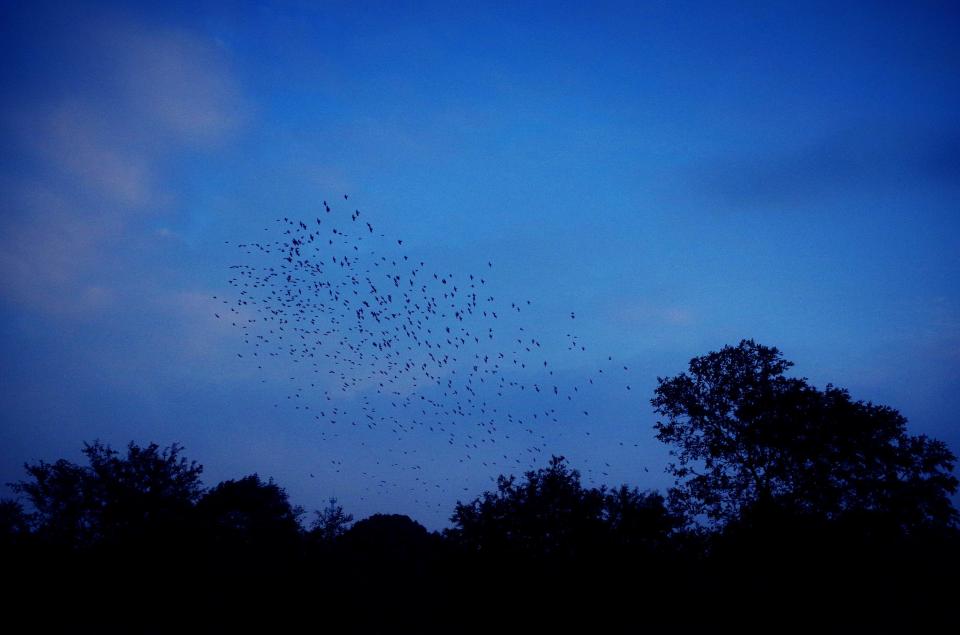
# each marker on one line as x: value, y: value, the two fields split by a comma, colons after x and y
x: 678, y: 176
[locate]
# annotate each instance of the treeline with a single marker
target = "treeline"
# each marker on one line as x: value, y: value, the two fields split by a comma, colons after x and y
x: 792, y: 506
x: 132, y: 542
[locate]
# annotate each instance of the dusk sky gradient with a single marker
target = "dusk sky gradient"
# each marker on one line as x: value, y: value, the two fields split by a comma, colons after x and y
x: 679, y: 175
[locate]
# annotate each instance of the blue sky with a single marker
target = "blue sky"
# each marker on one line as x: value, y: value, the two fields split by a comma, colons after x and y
x: 681, y: 175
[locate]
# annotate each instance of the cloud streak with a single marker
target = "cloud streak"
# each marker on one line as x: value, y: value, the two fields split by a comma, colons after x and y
x: 871, y: 159
x: 89, y: 154
x: 178, y: 82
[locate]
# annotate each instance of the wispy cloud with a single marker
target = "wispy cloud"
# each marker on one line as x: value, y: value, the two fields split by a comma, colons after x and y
x: 78, y: 144
x: 49, y: 249
x: 176, y: 80
x: 853, y: 161
x: 87, y: 156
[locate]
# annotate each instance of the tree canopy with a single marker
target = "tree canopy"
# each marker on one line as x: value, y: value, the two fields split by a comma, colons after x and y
x: 551, y: 514
x: 249, y: 513
x: 113, y: 497
x: 746, y: 436
x: 137, y: 527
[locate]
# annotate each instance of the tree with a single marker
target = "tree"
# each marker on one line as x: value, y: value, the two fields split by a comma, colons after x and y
x: 14, y: 524
x: 389, y: 537
x: 639, y: 521
x: 551, y: 514
x: 114, y: 497
x: 250, y: 513
x: 749, y: 438
x: 331, y: 522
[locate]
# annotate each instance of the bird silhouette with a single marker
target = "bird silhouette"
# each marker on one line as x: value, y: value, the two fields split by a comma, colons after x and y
x: 382, y: 351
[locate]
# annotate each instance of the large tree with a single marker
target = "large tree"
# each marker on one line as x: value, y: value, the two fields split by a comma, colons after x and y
x: 249, y: 513
x: 115, y: 497
x: 748, y: 437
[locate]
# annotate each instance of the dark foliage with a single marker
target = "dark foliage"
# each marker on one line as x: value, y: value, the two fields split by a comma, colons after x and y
x: 331, y: 523
x: 749, y: 440
x: 392, y: 536
x: 148, y: 493
x: 825, y: 511
x: 248, y: 513
x: 14, y: 524
x: 552, y: 515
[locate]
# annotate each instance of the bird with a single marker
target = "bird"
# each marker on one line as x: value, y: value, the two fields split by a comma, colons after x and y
x: 434, y: 360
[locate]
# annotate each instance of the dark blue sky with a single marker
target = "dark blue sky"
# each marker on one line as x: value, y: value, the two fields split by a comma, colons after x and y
x: 679, y: 175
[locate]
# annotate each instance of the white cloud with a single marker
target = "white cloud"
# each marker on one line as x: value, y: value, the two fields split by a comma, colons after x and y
x: 48, y: 251
x: 177, y: 81
x: 78, y: 142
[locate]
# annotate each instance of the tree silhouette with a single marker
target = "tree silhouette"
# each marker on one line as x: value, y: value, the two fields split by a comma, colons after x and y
x: 550, y: 514
x: 639, y: 523
x: 248, y: 532
x: 839, y: 512
x: 249, y: 513
x: 388, y: 536
x: 117, y: 527
x: 14, y: 524
x: 331, y: 522
x: 113, y: 498
x: 748, y: 439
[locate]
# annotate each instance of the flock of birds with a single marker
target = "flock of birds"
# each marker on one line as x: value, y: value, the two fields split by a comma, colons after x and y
x: 413, y: 370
